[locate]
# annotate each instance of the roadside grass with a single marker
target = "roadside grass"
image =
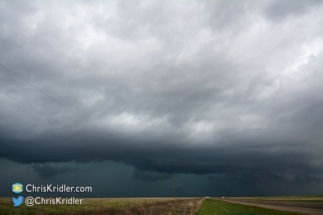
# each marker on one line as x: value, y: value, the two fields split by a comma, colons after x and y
x: 91, y: 206
x: 218, y: 207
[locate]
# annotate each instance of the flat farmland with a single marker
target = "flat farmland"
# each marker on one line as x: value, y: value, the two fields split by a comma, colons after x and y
x: 108, y: 206
x: 168, y: 206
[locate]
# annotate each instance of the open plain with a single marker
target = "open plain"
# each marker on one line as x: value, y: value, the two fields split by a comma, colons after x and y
x: 312, y: 205
x: 109, y: 206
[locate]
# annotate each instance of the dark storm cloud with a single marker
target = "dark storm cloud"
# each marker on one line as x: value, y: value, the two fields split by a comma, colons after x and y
x: 149, y: 176
x: 46, y: 171
x: 224, y: 87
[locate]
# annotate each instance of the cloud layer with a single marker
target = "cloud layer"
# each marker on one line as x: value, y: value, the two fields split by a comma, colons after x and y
x: 224, y: 87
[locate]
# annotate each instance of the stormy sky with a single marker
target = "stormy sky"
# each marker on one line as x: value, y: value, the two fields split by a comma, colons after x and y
x: 119, y: 95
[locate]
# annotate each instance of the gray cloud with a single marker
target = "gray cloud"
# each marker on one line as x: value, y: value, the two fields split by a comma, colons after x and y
x: 224, y: 87
x: 149, y: 176
x: 278, y: 10
x: 47, y: 171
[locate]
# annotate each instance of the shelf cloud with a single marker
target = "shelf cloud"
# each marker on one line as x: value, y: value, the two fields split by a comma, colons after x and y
x: 228, y: 90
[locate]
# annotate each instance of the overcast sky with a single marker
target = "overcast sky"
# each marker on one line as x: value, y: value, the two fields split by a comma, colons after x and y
x: 119, y: 95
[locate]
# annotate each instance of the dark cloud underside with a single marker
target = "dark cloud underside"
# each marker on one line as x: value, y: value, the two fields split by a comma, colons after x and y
x: 212, y: 90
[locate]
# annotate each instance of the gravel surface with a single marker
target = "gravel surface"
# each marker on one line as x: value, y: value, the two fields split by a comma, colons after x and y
x: 298, y: 207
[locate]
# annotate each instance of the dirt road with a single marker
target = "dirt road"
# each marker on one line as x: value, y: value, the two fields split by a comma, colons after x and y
x: 298, y: 207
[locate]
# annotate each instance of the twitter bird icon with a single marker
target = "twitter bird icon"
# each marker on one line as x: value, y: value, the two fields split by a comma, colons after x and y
x: 17, y: 201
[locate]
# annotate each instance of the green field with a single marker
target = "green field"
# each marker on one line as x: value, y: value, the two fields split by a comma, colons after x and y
x: 218, y: 207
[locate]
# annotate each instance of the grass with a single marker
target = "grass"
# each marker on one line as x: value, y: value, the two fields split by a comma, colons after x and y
x: 218, y: 207
x: 91, y: 206
x: 145, y: 206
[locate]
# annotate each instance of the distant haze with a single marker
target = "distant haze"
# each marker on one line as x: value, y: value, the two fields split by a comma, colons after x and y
x: 119, y: 95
